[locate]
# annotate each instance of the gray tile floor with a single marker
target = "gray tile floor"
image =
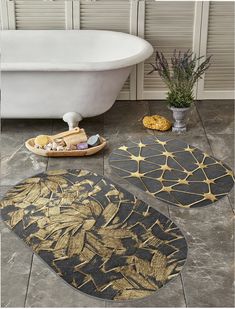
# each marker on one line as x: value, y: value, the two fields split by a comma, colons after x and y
x: 207, y: 279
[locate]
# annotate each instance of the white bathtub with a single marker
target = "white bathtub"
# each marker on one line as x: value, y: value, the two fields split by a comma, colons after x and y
x: 47, y: 73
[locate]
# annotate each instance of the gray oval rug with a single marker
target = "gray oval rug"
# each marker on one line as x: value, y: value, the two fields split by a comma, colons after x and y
x: 172, y: 171
x: 98, y: 237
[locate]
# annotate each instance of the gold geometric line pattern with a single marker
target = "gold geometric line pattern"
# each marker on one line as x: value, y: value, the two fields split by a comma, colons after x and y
x: 173, y: 171
x: 98, y: 237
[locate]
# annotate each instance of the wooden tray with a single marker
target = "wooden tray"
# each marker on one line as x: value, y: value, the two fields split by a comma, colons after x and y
x: 68, y: 153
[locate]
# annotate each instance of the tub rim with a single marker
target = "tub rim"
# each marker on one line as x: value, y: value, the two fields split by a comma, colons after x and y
x: 139, y: 57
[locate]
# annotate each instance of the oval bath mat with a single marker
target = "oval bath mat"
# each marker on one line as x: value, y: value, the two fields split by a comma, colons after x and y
x: 173, y: 171
x: 95, y: 235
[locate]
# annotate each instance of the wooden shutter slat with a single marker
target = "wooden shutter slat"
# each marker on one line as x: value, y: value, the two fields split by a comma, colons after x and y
x: 220, y: 44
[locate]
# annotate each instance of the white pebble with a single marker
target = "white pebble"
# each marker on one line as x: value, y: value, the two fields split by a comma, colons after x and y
x: 54, y: 146
x: 48, y: 146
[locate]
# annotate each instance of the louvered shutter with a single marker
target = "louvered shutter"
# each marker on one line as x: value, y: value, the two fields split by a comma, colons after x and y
x: 38, y: 14
x: 1, y: 25
x: 167, y: 25
x: 7, y: 10
x: 115, y: 15
x: 218, y: 41
x: 105, y: 15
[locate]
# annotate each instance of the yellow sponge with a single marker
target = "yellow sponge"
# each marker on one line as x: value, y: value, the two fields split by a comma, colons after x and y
x: 42, y: 140
x: 157, y: 122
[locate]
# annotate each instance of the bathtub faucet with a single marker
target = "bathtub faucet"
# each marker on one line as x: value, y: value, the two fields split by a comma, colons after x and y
x: 72, y: 118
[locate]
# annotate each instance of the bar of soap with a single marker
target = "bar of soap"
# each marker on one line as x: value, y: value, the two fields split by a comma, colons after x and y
x: 72, y: 147
x: 41, y: 140
x: 82, y: 146
x: 75, y: 139
x: 93, y: 140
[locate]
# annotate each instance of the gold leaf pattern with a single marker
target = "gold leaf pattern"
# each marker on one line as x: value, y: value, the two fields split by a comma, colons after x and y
x: 16, y: 217
x: 135, y: 277
x: 62, y: 242
x: 109, y: 212
x: 88, y: 224
x: 98, y: 237
x: 76, y: 244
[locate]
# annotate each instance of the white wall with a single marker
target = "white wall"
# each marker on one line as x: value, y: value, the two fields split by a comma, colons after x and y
x: 206, y: 27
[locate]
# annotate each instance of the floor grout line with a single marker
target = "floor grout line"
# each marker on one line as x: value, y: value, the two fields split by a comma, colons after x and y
x: 212, y: 152
x: 231, y: 203
x: 184, y: 293
x: 204, y: 129
x: 52, y: 128
x: 30, y: 271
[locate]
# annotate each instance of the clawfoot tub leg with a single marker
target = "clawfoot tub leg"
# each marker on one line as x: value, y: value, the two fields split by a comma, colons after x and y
x: 72, y: 118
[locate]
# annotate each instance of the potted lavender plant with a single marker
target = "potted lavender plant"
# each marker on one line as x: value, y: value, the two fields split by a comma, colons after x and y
x: 180, y: 78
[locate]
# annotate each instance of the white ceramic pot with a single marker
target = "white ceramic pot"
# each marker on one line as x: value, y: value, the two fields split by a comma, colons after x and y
x: 180, y: 117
